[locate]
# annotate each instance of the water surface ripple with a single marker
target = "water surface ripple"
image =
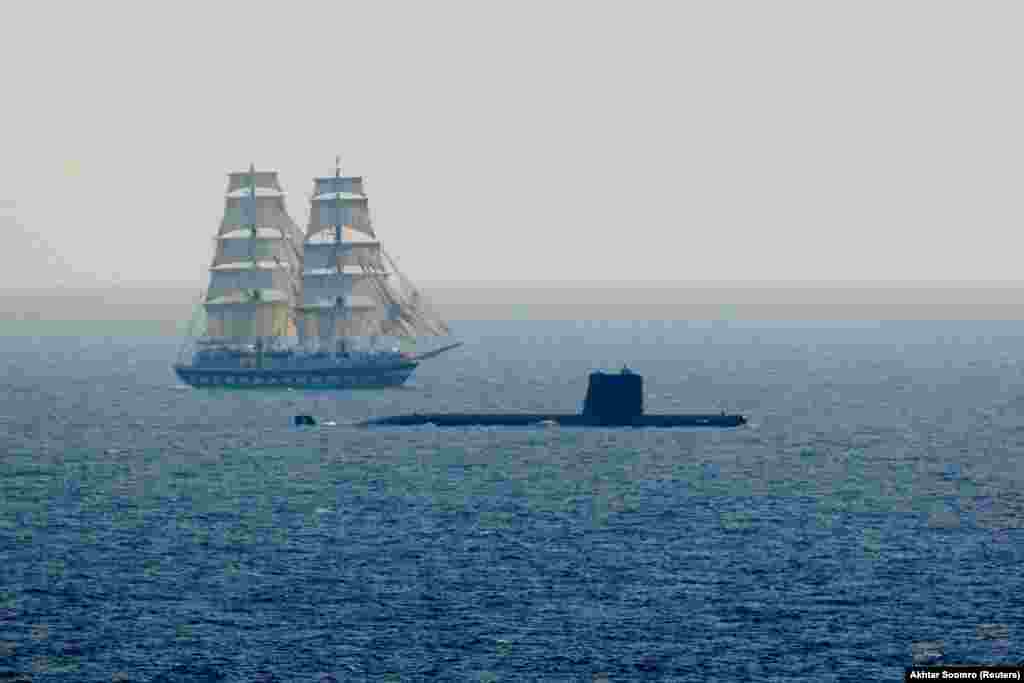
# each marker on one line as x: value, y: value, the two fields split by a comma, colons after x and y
x: 872, y: 507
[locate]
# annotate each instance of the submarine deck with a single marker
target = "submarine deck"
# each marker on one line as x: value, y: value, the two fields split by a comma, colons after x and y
x: 566, y: 419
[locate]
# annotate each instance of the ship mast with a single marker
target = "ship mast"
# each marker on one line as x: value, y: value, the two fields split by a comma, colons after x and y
x: 254, y: 295
x: 337, y: 200
x: 340, y: 303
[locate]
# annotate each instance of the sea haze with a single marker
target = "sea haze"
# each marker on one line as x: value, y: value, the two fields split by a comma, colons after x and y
x: 870, y: 513
x: 166, y: 308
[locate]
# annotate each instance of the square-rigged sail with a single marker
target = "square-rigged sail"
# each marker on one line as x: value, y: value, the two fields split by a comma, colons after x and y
x: 254, y: 276
x: 269, y: 281
x: 350, y: 286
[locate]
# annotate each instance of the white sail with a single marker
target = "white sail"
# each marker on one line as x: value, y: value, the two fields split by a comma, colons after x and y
x: 350, y: 288
x: 414, y: 316
x: 246, y: 192
x: 262, y: 212
x: 242, y: 321
x: 325, y: 287
x: 353, y: 185
x: 234, y: 277
x: 254, y: 276
x: 259, y: 179
x: 330, y: 255
x: 330, y: 210
x: 261, y: 233
x: 268, y: 245
x: 359, y: 319
x: 328, y: 284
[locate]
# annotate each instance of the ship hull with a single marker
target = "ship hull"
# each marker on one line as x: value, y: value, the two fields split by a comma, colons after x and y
x: 368, y: 377
x: 534, y: 420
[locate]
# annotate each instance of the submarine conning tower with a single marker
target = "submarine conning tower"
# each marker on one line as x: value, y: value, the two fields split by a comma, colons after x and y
x: 614, y: 398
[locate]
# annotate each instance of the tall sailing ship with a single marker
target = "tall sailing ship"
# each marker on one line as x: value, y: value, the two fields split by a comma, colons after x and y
x: 324, y: 309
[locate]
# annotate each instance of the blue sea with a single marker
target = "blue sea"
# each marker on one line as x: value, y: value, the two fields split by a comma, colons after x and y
x: 869, y: 516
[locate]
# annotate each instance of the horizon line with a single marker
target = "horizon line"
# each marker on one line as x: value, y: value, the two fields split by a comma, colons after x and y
x: 569, y: 284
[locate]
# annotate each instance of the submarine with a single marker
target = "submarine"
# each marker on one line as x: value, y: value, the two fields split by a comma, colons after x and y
x: 612, y: 400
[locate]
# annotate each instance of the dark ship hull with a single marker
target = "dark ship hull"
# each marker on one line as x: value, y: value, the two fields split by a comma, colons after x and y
x: 333, y: 378
x: 297, y: 371
x: 611, y: 401
x: 561, y: 419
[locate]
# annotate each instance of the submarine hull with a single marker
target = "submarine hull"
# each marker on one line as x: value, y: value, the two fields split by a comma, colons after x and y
x: 611, y: 401
x: 565, y: 420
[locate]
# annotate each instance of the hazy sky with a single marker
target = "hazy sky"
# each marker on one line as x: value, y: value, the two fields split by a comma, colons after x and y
x: 524, y: 140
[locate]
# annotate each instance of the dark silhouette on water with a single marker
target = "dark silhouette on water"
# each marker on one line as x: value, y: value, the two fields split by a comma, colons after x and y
x: 612, y: 400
